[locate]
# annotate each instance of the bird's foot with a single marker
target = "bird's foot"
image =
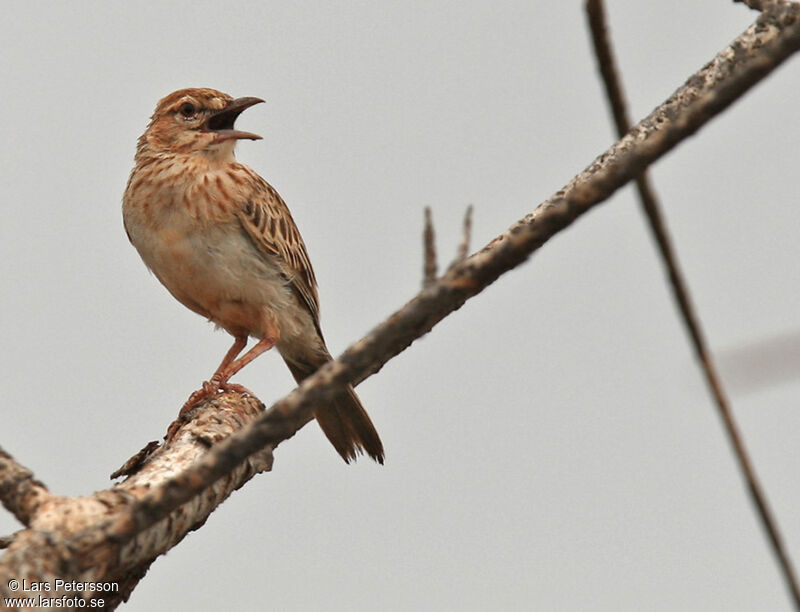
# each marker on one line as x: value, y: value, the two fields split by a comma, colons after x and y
x: 209, y: 388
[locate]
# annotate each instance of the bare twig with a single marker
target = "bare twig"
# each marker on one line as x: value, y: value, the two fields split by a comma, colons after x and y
x: 430, y: 246
x: 20, y: 493
x: 605, y: 57
x: 463, y: 246
x: 429, y: 238
x: 753, y: 55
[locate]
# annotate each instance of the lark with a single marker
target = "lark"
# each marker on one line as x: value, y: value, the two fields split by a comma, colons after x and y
x: 224, y: 244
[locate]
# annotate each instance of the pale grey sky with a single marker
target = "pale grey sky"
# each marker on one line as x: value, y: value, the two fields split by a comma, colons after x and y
x: 550, y: 446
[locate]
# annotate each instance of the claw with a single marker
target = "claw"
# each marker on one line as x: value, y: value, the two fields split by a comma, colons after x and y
x: 208, y: 389
x: 233, y: 387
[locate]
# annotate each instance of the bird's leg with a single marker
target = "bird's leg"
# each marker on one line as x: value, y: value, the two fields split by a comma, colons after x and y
x: 230, y: 357
x: 211, y: 386
x: 229, y: 366
x: 223, y: 374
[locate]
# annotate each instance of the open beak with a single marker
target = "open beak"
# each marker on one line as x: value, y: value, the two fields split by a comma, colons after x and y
x: 222, y: 121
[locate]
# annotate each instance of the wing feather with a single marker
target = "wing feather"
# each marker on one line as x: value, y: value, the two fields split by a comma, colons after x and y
x: 267, y: 220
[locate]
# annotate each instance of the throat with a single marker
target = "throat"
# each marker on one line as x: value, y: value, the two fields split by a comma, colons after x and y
x: 220, y: 154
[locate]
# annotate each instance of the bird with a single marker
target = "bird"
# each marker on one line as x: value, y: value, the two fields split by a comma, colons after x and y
x: 224, y: 244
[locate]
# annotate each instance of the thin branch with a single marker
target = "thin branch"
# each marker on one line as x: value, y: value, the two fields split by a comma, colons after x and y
x: 608, y: 69
x: 751, y: 57
x: 605, y: 57
x: 429, y: 239
x: 20, y: 493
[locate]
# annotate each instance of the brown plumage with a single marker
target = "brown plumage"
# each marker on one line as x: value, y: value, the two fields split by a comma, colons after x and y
x: 224, y: 244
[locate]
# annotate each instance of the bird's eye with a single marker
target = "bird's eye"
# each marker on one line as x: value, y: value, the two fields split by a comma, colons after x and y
x: 187, y: 110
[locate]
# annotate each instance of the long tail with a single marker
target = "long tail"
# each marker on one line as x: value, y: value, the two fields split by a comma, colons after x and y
x: 344, y: 420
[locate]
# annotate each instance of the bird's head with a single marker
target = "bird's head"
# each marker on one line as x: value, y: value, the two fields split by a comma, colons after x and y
x: 194, y: 120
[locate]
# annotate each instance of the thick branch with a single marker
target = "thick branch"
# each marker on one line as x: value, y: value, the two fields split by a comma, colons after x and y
x: 62, y: 543
x: 20, y: 493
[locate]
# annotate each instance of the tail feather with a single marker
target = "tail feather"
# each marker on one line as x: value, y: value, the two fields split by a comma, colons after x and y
x: 343, y: 421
